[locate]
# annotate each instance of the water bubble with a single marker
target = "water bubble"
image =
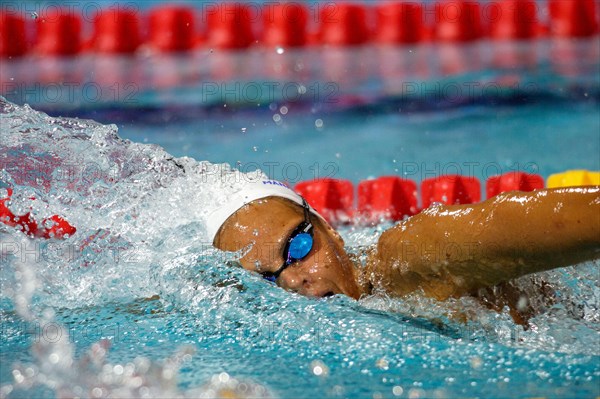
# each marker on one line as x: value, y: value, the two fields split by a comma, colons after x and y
x: 48, y: 313
x: 280, y: 50
x: 397, y: 390
x: 382, y: 364
x: 476, y: 362
x: 277, y: 118
x: 416, y: 393
x: 223, y: 377
x: 168, y: 374
x: 338, y: 155
x: 243, y: 130
x: 523, y: 302
x: 283, y: 110
x: 319, y: 368
x: 255, y: 148
x: 319, y: 123
x: 34, y: 15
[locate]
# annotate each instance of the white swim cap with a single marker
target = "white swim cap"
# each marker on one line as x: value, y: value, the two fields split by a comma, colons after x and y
x: 252, y: 191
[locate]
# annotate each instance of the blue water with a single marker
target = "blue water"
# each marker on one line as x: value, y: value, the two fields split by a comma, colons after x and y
x: 210, y: 318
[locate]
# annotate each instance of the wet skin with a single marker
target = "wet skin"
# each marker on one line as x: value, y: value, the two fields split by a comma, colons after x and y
x: 445, y: 251
x: 265, y: 226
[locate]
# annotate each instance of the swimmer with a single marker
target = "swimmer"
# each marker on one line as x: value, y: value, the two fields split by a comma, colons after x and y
x: 443, y: 252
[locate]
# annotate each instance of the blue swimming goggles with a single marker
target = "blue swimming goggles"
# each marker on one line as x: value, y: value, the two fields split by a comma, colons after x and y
x: 298, y: 245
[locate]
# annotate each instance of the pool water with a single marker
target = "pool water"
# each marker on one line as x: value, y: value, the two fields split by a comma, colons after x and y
x: 138, y: 304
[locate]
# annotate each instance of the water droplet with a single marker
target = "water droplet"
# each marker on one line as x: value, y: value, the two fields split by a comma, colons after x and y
x: 255, y: 148
x: 283, y: 110
x: 34, y: 15
x: 476, y: 362
x: 255, y: 232
x: 280, y: 50
x: 338, y: 155
x: 277, y: 118
x: 319, y: 368
x: 243, y: 130
x: 319, y: 123
x: 223, y: 377
x: 397, y: 390
x: 523, y: 302
x: 382, y: 364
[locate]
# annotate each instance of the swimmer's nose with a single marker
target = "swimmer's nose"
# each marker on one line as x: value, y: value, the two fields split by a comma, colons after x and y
x: 294, y: 280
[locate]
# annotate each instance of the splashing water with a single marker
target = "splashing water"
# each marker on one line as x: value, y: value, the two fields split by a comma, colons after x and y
x: 118, y: 194
x: 103, y: 312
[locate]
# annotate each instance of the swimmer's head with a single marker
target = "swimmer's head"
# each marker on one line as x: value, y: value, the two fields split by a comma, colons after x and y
x: 265, y: 220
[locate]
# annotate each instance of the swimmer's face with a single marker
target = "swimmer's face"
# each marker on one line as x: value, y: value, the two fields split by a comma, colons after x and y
x: 265, y: 225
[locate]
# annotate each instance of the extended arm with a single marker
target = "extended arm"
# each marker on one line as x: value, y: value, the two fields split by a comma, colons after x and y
x: 450, y: 251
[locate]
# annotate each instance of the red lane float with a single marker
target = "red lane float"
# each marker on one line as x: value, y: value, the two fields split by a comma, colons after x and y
x: 400, y: 23
x: 387, y: 197
x: 116, y: 31
x: 513, y: 181
x: 229, y: 26
x: 450, y: 189
x: 343, y: 24
x: 52, y: 227
x: 172, y: 28
x: 573, y: 18
x: 12, y: 35
x: 285, y: 25
x: 514, y: 19
x: 332, y: 198
x: 457, y: 21
x: 58, y: 33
